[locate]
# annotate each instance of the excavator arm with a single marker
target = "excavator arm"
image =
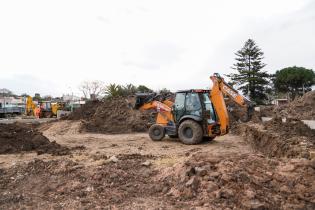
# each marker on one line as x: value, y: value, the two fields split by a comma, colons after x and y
x: 30, y: 106
x: 219, y: 89
x: 230, y: 91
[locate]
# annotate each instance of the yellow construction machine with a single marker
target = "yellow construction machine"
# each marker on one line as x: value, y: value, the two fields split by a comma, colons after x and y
x: 30, y: 106
x: 46, y: 108
x: 194, y: 114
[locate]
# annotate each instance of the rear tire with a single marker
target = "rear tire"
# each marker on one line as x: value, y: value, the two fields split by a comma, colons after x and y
x: 190, y: 132
x: 156, y: 132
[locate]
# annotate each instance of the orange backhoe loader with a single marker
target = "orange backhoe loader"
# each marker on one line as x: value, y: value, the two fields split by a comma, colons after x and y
x: 194, y: 114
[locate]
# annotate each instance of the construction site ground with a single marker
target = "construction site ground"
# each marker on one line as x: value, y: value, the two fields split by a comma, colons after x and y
x: 130, y: 171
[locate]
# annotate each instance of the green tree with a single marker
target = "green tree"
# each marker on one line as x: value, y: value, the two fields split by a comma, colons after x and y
x: 164, y: 91
x: 47, y: 98
x: 25, y: 95
x: 113, y: 90
x: 129, y: 89
x: 250, y: 78
x: 294, y: 80
x: 37, y: 97
x: 144, y: 89
x: 6, y: 92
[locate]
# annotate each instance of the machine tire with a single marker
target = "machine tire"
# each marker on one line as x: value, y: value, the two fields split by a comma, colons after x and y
x: 190, y: 132
x: 156, y: 132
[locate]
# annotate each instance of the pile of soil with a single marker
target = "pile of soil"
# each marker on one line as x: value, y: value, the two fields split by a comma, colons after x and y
x: 275, y: 138
x: 85, y: 112
x: 115, y: 116
x: 302, y: 108
x: 289, y: 128
x: 241, y: 182
x: 247, y: 181
x: 17, y: 137
x: 64, y: 184
x: 267, y: 111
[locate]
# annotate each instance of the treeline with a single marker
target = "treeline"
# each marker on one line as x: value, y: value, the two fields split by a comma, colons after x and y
x: 98, y: 89
x: 261, y: 87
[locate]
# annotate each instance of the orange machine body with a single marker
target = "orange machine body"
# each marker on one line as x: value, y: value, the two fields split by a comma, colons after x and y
x: 164, y: 110
x: 219, y: 89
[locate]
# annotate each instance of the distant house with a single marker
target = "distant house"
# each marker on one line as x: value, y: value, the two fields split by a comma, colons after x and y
x: 69, y: 97
x: 280, y: 101
x: 10, y: 101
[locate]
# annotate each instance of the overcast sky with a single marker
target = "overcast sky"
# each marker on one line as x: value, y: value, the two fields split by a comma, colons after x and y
x: 50, y: 47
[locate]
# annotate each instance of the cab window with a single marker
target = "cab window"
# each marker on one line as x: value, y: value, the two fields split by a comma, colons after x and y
x: 193, y: 106
x: 210, y: 113
x: 179, y: 101
x: 179, y: 106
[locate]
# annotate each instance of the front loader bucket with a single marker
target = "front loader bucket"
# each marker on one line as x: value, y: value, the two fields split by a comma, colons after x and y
x: 136, y: 101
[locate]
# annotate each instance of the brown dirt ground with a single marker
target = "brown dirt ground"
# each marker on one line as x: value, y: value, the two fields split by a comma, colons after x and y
x: 225, y: 173
x: 241, y: 181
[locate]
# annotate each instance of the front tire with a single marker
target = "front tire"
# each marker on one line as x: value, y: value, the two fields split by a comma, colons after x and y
x: 156, y: 132
x: 190, y: 132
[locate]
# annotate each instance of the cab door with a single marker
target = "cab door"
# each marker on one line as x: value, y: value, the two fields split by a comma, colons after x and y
x: 209, y: 111
x: 179, y: 106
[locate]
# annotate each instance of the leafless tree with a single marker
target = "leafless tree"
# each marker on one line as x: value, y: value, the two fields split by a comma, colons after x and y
x: 92, y: 88
x: 6, y: 92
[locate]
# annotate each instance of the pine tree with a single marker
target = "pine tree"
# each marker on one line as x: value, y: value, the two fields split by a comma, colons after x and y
x: 250, y: 79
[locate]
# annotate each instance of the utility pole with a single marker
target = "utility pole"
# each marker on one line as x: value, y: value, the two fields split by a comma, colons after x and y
x: 4, y: 109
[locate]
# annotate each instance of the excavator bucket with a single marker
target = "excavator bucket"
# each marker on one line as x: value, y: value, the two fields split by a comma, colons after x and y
x: 143, y: 98
x: 131, y: 101
x: 136, y: 101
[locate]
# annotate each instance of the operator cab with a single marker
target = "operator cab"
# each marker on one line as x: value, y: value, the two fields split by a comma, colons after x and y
x: 196, y: 105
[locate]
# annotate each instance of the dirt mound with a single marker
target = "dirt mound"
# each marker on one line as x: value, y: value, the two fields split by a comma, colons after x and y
x: 241, y: 182
x: 267, y: 111
x: 19, y: 137
x: 291, y: 127
x: 64, y: 184
x: 278, y: 139
x: 302, y: 108
x: 115, y: 116
x: 85, y: 112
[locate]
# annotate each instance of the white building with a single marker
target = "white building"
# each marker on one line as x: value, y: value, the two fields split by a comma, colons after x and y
x: 10, y: 101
